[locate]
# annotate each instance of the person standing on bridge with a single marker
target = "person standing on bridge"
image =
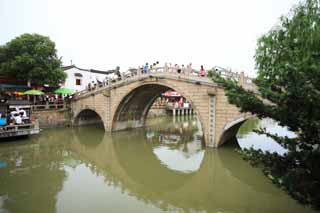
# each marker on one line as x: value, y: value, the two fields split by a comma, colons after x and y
x: 146, y: 68
x: 202, y: 71
x: 177, y: 68
x: 157, y: 67
x: 154, y: 67
x: 117, y: 72
x: 183, y: 69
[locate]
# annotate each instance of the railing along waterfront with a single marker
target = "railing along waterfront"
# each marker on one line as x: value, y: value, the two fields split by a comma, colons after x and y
x: 176, y: 109
x: 14, y: 128
x: 43, y: 107
x: 169, y: 72
x: 19, y: 129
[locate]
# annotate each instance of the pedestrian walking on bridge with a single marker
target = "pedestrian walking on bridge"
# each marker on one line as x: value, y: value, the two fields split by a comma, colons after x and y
x: 202, y: 71
x: 146, y: 68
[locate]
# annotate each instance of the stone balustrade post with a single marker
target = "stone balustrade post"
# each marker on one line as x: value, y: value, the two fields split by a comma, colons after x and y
x: 242, y: 79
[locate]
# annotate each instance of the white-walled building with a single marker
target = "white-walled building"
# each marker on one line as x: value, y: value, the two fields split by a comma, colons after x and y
x: 78, y: 78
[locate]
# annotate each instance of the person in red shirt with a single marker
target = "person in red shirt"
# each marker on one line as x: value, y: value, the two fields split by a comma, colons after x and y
x: 202, y: 71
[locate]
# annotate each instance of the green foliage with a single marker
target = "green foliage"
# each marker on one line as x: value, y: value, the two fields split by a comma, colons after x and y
x: 31, y: 57
x: 288, y: 81
x: 290, y: 172
x: 288, y: 60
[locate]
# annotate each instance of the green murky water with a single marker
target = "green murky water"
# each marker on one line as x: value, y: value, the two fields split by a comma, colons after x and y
x: 162, y: 168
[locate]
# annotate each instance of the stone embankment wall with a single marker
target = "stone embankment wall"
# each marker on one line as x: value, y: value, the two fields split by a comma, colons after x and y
x: 52, y: 118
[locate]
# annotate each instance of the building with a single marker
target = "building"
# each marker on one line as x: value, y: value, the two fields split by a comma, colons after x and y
x: 78, y: 79
x: 12, y: 84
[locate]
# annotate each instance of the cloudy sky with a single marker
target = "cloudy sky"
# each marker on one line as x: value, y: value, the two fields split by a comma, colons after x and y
x: 103, y: 34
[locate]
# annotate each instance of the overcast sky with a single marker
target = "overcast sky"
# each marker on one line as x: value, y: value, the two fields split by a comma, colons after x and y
x: 103, y: 34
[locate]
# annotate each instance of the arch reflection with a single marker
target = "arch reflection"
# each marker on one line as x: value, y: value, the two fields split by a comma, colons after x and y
x: 224, y: 181
x: 247, y: 138
x: 178, y: 145
x: 89, y: 136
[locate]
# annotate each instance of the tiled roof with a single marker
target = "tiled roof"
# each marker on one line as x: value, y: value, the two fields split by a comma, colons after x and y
x: 65, y: 68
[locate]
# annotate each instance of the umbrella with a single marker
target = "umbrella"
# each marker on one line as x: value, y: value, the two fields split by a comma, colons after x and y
x: 171, y: 94
x: 33, y: 92
x: 18, y: 93
x: 64, y: 91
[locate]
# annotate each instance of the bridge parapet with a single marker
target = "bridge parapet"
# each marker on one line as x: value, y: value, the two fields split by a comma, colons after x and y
x: 243, y: 80
x: 169, y: 73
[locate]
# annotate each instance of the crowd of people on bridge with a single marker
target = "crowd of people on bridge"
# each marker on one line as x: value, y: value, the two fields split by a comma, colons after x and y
x: 148, y: 68
x: 169, y: 67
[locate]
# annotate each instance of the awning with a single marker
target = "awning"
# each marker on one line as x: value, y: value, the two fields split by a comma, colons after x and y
x: 18, y: 102
x: 171, y: 94
x: 13, y: 86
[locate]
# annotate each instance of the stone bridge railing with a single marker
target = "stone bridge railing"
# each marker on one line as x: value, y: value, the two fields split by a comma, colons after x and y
x: 241, y: 78
x: 165, y: 72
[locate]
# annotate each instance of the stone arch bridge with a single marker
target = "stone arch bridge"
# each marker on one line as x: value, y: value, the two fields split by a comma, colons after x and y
x: 125, y: 104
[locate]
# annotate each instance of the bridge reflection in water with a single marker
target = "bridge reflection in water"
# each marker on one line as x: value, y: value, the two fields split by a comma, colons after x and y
x: 160, y: 168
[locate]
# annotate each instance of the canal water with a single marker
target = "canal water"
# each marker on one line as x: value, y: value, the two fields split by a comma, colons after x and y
x: 161, y: 168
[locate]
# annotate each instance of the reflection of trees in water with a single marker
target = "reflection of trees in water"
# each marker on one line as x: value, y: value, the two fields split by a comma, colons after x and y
x: 248, y: 126
x: 33, y: 174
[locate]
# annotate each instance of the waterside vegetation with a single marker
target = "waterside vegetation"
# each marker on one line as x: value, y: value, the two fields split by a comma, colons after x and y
x: 32, y: 57
x: 288, y: 64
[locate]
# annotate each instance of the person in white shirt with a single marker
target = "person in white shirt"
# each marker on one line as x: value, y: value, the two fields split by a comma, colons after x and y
x: 23, y: 113
x: 18, y: 119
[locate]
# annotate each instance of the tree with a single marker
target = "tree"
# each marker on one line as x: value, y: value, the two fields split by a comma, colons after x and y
x: 288, y: 64
x: 31, y: 57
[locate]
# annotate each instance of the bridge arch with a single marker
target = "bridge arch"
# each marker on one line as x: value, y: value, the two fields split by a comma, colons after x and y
x: 230, y: 129
x: 87, y: 116
x: 133, y: 107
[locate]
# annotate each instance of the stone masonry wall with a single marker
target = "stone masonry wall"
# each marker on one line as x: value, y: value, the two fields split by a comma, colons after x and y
x: 224, y: 114
x: 52, y: 118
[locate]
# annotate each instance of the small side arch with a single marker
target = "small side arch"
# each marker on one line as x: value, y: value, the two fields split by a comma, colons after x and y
x: 87, y: 117
x: 230, y: 129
